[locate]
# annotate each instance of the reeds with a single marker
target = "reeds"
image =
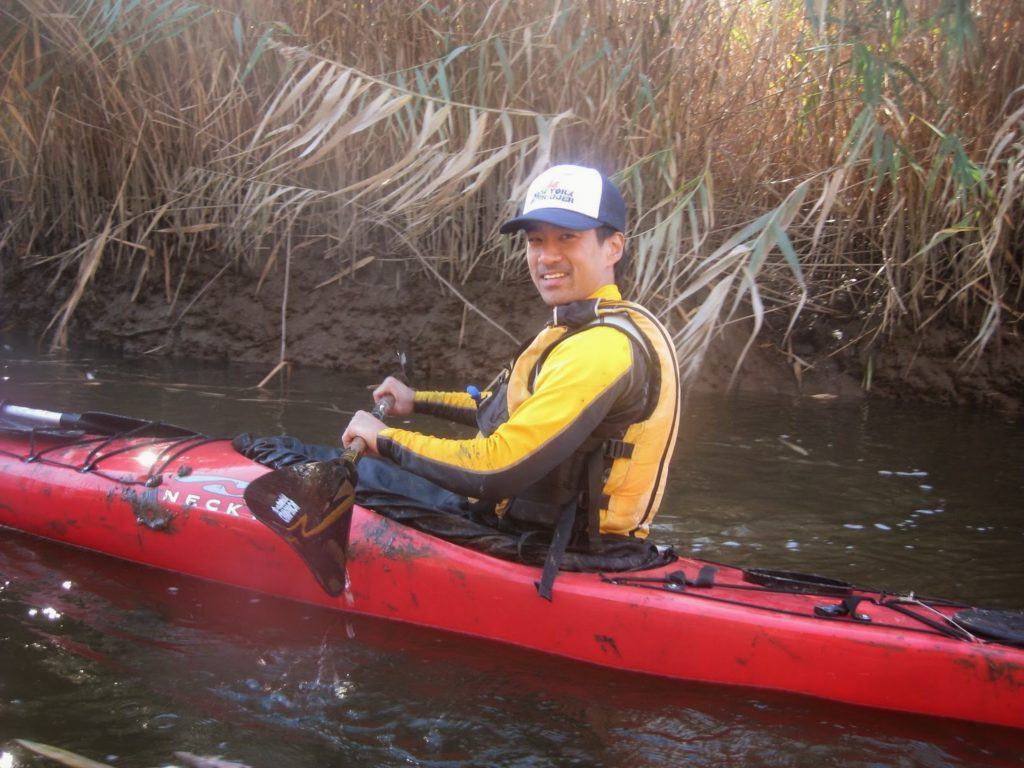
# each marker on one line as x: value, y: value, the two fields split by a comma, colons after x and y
x: 859, y: 159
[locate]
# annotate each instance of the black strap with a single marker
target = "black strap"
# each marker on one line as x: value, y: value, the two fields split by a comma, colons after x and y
x: 553, y: 561
x: 845, y: 607
x: 595, y: 499
x: 595, y: 485
x: 598, y: 462
x: 617, y: 449
x: 706, y: 576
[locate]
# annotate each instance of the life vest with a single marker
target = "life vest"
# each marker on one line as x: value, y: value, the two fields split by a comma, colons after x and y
x: 616, y: 479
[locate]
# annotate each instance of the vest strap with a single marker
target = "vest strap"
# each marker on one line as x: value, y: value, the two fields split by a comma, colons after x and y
x: 618, y: 449
x: 559, y: 542
x: 595, y: 486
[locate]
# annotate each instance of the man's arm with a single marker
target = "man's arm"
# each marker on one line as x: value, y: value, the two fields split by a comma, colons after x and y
x: 455, y: 406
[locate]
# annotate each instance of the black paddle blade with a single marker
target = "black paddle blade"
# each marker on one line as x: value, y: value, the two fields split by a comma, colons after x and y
x: 113, y: 424
x: 291, y: 501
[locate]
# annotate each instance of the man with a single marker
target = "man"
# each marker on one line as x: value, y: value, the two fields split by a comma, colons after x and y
x: 576, y: 435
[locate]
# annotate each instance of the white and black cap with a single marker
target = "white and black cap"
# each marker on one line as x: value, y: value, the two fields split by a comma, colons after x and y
x: 573, y: 197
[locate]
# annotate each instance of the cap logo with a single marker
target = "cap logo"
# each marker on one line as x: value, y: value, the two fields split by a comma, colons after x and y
x: 553, y: 192
x: 577, y: 190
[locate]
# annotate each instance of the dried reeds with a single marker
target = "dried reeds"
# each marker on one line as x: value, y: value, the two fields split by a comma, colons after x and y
x: 864, y: 159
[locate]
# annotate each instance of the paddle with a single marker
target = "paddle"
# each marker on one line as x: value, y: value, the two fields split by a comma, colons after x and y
x: 20, y: 418
x: 310, y: 506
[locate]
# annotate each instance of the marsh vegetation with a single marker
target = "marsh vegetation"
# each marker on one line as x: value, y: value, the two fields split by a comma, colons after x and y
x: 787, y: 163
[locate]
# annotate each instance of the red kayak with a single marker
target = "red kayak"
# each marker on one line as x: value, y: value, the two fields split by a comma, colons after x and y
x: 169, y: 498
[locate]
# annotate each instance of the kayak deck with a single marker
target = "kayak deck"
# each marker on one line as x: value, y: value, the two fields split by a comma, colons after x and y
x: 176, y: 503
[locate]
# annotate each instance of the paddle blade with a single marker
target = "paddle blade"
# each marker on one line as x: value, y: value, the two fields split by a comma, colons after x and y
x: 310, y: 507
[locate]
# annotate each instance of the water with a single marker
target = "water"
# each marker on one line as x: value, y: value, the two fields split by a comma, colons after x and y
x: 129, y: 666
x: 888, y: 494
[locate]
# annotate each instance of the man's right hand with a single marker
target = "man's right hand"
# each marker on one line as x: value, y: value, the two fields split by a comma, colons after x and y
x: 403, y: 395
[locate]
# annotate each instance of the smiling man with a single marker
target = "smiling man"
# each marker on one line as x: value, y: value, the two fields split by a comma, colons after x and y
x: 576, y: 434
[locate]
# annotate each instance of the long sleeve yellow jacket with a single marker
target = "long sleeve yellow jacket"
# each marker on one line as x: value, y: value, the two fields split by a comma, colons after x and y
x: 601, y: 377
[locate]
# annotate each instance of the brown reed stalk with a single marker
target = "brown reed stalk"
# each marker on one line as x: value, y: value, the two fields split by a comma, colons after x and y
x: 779, y: 158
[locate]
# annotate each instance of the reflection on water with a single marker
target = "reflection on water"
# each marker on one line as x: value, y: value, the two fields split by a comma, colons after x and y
x: 128, y: 665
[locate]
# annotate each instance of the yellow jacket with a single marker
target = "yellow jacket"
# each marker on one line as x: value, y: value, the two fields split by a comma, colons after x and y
x: 601, y: 377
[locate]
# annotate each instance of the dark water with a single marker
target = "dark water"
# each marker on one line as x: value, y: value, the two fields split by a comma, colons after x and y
x: 128, y: 666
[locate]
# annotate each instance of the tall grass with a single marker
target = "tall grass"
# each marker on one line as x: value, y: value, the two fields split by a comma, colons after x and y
x: 790, y: 159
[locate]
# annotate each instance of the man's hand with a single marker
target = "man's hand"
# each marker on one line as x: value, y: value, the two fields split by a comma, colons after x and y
x: 366, y: 426
x: 363, y: 425
x: 403, y: 395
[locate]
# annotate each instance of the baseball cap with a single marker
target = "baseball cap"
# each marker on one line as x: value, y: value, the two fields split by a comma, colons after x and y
x: 573, y: 197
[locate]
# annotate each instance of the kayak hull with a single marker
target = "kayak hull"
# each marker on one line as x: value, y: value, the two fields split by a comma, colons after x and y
x: 187, y: 514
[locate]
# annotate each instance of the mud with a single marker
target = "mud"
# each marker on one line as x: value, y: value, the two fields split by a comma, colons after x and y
x: 389, y: 319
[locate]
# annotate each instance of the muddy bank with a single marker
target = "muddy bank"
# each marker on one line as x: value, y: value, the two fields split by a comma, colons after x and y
x: 372, y: 320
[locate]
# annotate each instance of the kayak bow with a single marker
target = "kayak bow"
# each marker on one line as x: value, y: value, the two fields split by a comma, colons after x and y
x: 174, y: 499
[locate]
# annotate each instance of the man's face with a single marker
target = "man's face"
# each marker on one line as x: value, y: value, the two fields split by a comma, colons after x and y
x: 567, y: 264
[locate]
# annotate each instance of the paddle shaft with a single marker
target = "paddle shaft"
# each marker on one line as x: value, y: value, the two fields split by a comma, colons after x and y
x: 95, y: 422
x: 40, y: 417
x: 358, y: 446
